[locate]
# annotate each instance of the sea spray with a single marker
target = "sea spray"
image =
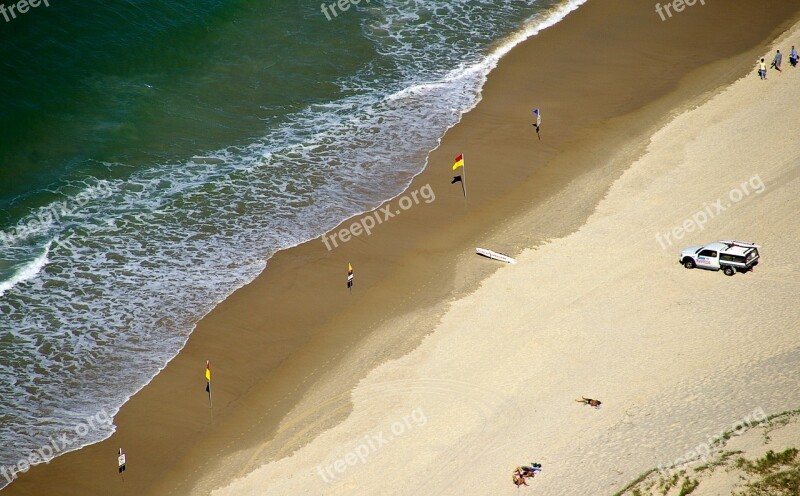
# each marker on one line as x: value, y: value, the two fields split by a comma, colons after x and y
x: 178, y: 233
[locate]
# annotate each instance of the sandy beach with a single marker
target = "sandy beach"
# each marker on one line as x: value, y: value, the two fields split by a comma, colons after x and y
x: 604, y: 312
x: 442, y: 371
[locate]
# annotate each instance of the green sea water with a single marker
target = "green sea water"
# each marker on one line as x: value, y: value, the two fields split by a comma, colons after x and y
x: 154, y: 155
x: 87, y: 84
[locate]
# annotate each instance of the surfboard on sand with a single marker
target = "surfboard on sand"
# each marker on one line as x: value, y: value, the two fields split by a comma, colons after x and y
x: 493, y: 255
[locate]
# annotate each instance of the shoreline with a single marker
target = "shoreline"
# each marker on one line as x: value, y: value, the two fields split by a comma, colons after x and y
x: 497, y: 378
x: 331, y: 325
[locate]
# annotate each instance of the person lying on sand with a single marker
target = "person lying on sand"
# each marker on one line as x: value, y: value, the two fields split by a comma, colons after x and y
x: 531, y: 471
x: 528, y: 472
x: 534, y: 469
x: 590, y: 402
x: 518, y: 478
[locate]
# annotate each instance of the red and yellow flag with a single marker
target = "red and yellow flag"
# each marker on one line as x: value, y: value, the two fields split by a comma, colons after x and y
x: 459, y: 162
x: 208, y: 371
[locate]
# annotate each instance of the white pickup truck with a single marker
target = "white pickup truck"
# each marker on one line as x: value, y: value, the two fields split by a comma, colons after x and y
x: 729, y: 256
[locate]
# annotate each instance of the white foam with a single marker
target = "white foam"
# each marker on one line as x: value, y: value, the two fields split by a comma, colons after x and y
x: 481, y: 69
x: 146, y: 262
x: 26, y: 272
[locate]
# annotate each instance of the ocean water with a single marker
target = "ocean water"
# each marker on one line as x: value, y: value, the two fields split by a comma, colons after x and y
x: 155, y: 154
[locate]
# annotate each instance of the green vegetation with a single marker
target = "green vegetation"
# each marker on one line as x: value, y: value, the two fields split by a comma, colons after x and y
x: 777, y: 474
x: 720, y: 461
x: 688, y: 486
x: 632, y: 485
x: 667, y: 484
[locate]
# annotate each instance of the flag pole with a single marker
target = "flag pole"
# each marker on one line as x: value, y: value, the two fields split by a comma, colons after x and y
x: 464, y: 182
x: 465, y: 175
x: 208, y: 387
x: 121, y: 464
x: 462, y: 177
x: 350, y: 277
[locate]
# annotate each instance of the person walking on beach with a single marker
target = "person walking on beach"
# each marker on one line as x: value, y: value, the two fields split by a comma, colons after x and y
x: 777, y: 62
x: 762, y: 70
x: 793, y: 57
x: 538, y: 124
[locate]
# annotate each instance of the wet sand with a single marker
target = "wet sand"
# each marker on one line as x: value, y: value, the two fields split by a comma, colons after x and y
x: 678, y: 357
x: 295, y: 340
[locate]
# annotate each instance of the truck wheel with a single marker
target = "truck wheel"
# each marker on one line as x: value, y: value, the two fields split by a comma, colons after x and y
x: 728, y: 270
x: 689, y: 263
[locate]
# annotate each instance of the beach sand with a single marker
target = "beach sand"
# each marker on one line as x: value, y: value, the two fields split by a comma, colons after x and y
x: 605, y: 312
x: 480, y: 365
x: 718, y: 471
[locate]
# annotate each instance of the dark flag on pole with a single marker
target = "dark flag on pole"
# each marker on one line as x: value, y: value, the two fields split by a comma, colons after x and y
x: 350, y: 277
x: 459, y: 179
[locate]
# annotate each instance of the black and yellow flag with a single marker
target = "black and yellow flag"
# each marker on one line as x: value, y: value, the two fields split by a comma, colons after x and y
x: 208, y: 377
x: 349, y: 277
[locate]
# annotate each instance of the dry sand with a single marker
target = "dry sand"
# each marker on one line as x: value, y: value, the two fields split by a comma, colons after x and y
x: 605, y: 312
x: 598, y: 310
x: 717, y: 472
